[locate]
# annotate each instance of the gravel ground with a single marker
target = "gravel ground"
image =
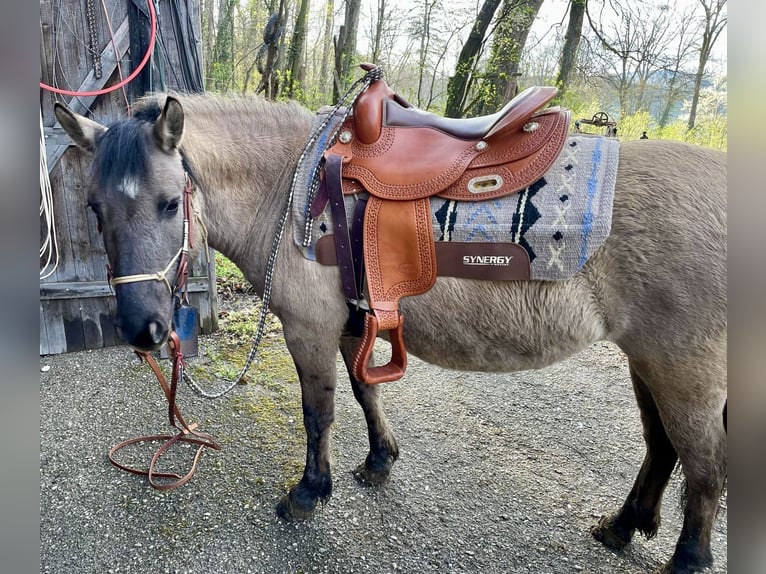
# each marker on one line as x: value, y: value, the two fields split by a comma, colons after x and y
x: 497, y: 473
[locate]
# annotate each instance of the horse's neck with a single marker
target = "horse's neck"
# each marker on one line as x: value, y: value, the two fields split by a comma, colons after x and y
x: 244, y: 163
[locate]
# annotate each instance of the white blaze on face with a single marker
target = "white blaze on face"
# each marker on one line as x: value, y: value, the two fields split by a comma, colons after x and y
x: 129, y: 187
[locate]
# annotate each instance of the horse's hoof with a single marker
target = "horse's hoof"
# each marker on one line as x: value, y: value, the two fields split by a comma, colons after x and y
x: 369, y: 477
x: 609, y: 534
x: 687, y: 562
x: 287, y: 510
x: 669, y: 568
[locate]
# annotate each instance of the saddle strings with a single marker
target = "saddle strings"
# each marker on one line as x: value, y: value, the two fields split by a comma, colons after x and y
x: 348, y: 99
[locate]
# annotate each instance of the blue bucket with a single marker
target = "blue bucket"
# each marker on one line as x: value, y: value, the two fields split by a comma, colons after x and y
x: 186, y: 326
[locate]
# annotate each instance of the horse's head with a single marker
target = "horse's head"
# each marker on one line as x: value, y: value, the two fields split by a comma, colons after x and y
x: 136, y: 189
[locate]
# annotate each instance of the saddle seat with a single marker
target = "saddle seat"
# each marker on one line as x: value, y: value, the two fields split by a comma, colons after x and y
x: 401, y: 156
x: 397, y: 112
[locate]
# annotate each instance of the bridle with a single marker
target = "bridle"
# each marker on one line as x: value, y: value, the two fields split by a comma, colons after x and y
x: 186, y: 432
x: 183, y: 264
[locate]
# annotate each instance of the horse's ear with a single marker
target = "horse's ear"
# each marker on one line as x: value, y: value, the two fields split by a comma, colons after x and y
x: 84, y: 132
x: 169, y: 127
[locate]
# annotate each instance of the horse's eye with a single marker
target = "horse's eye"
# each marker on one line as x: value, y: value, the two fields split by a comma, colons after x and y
x: 169, y: 207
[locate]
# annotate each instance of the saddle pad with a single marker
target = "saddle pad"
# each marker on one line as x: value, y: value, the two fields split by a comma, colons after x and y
x: 560, y: 220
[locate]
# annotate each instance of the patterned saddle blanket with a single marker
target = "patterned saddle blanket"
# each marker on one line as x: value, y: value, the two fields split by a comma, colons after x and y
x: 559, y: 221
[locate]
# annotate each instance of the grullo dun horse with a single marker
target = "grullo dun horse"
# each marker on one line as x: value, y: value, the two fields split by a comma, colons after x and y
x: 656, y: 288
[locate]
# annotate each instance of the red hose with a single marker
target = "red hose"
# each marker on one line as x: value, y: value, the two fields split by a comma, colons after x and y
x: 140, y: 67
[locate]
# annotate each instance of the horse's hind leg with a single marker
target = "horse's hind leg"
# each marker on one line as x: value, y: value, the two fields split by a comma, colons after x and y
x: 689, y: 397
x: 641, y: 509
x: 695, y: 426
x: 383, y: 448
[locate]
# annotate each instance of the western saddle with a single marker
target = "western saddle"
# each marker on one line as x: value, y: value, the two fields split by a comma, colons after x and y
x: 401, y: 156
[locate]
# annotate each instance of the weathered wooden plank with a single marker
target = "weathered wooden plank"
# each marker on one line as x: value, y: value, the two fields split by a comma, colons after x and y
x: 75, y: 290
x: 80, y: 104
x: 43, y: 332
x: 107, y: 322
x: 54, y: 328
x: 65, y: 271
x: 89, y: 289
x: 74, y: 197
x: 73, y: 327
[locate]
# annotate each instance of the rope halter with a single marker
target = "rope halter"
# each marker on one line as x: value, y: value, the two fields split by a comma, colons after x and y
x: 181, y: 253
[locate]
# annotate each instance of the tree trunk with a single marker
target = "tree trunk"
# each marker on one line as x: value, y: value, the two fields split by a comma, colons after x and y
x: 208, y: 34
x: 378, y: 31
x: 269, y: 83
x: 223, y: 51
x: 345, y: 48
x: 425, y: 42
x: 507, y: 46
x: 571, y: 44
x: 324, y: 76
x: 295, y: 53
x: 715, y: 22
x: 457, y: 87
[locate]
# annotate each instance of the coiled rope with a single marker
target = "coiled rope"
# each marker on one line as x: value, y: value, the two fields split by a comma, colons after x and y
x: 49, y: 250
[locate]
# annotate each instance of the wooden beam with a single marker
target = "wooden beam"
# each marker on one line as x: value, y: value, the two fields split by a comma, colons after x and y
x: 80, y: 104
x: 83, y: 289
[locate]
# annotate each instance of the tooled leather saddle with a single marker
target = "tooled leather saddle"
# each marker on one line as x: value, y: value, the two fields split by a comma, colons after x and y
x: 401, y: 156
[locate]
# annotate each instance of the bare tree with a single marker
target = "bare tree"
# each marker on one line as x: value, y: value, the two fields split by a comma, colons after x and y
x: 634, y: 43
x: 715, y: 22
x: 424, y: 32
x: 378, y: 34
x: 345, y: 47
x: 571, y: 44
x: 677, y: 80
x: 515, y: 20
x: 269, y: 83
x: 295, y: 64
x: 324, y: 76
x: 459, y: 84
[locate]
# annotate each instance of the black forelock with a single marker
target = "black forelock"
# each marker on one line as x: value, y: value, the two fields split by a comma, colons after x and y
x: 123, y: 150
x: 122, y: 153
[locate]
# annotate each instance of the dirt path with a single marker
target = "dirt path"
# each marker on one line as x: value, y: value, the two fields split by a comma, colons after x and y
x: 497, y: 473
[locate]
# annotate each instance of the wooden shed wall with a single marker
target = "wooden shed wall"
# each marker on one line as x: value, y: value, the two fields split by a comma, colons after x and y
x: 76, y: 302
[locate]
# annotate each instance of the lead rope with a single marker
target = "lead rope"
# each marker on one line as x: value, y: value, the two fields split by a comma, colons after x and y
x: 350, y: 96
x: 186, y: 432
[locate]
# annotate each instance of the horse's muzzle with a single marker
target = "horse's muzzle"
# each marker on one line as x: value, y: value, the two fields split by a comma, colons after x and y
x: 145, y: 337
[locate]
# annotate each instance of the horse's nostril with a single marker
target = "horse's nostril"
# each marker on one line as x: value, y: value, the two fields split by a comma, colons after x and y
x: 156, y: 332
x: 147, y: 336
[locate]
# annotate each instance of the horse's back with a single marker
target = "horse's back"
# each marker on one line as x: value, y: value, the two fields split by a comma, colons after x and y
x: 663, y: 268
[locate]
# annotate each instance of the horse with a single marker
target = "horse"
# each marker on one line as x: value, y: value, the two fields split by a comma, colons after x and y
x: 656, y: 288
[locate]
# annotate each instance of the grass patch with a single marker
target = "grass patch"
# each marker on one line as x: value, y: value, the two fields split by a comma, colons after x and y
x: 270, y: 400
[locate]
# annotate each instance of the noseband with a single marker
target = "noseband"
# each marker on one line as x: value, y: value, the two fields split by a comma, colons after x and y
x: 180, y: 279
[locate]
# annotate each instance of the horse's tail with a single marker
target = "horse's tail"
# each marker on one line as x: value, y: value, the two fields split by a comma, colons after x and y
x: 725, y: 404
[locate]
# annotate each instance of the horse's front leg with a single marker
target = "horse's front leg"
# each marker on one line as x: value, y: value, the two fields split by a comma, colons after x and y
x: 383, y: 448
x: 314, y: 358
